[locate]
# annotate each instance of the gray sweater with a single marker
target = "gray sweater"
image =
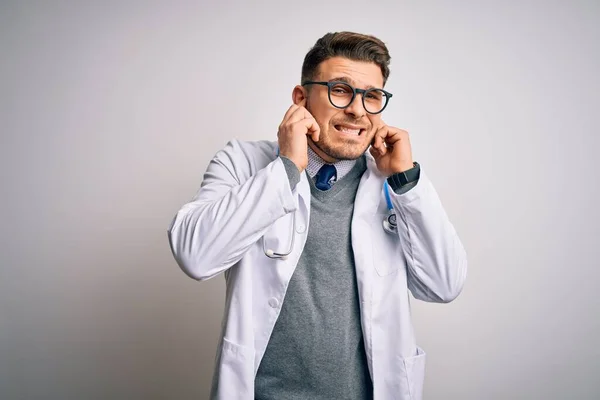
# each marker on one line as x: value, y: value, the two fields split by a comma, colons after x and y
x: 316, y: 350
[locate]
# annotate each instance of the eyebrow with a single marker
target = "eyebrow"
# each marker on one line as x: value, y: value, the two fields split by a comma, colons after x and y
x: 350, y: 82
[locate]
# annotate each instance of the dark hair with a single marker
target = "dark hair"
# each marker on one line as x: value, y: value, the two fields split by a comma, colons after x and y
x: 351, y: 45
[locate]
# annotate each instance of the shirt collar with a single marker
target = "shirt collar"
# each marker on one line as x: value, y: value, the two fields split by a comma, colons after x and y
x: 315, y: 163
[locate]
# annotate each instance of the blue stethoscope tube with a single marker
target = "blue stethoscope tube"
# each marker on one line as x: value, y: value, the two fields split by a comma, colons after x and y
x: 389, y: 225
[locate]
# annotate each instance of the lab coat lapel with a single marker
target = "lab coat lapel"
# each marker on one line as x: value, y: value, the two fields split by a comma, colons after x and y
x: 370, y: 190
x: 303, y: 188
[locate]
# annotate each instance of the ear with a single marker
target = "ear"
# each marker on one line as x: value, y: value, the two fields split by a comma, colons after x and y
x: 298, y: 94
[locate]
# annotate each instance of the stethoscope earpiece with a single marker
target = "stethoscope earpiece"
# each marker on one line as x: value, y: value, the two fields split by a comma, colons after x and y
x: 276, y: 256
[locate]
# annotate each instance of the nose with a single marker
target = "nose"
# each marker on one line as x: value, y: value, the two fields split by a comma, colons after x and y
x: 356, y: 108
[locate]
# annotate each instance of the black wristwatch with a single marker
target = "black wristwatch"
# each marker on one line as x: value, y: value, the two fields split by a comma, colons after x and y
x: 402, y: 178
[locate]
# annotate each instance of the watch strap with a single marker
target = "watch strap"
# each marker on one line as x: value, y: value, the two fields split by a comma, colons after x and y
x: 400, y: 179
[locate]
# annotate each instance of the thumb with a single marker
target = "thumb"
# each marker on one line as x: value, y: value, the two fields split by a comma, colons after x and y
x: 375, y: 153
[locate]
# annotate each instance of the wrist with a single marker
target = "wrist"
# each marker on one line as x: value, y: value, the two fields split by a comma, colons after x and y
x: 299, y: 165
x: 405, y: 166
x: 291, y: 171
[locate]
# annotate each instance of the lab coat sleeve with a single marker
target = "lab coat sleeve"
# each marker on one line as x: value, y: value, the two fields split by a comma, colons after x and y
x: 232, y: 210
x: 436, y: 258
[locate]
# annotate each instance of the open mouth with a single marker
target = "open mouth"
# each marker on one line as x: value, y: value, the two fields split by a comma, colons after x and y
x: 347, y: 130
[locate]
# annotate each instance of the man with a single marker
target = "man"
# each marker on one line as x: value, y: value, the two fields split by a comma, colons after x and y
x: 321, y: 240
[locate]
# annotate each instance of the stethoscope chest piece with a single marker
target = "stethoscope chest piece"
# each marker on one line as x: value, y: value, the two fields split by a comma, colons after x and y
x: 389, y: 223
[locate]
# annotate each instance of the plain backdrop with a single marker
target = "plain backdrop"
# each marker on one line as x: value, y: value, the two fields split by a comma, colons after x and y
x: 110, y: 112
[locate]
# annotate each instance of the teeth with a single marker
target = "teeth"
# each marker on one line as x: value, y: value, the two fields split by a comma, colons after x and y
x: 350, y: 131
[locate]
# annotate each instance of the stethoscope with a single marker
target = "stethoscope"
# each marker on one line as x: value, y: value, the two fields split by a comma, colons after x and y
x: 389, y: 225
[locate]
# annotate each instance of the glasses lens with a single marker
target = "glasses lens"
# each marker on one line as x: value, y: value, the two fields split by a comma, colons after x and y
x: 341, y: 95
x: 375, y: 100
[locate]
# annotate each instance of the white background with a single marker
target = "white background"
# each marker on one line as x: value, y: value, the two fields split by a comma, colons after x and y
x: 110, y: 112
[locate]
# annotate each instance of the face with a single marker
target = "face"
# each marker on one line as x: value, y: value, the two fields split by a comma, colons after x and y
x: 345, y: 133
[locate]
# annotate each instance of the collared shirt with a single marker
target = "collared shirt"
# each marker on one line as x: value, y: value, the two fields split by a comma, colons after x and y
x: 315, y: 163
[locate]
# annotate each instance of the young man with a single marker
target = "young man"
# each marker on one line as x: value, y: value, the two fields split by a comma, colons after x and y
x: 321, y: 240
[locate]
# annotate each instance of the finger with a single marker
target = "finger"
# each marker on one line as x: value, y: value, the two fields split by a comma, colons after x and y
x: 314, y: 130
x: 379, y: 140
x: 307, y: 113
x: 289, y: 112
x: 375, y: 153
x: 316, y: 133
x: 393, y: 136
x: 375, y: 142
x: 299, y: 114
x: 311, y: 127
x: 385, y: 133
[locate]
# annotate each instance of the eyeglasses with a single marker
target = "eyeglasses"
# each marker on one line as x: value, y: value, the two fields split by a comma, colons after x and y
x: 341, y: 95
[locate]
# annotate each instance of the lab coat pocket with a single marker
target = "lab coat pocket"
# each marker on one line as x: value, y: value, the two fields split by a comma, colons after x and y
x: 236, y: 372
x: 412, y: 375
x: 280, y: 236
x: 387, y: 252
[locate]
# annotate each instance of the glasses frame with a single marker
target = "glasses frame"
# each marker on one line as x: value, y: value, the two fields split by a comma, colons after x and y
x: 330, y: 84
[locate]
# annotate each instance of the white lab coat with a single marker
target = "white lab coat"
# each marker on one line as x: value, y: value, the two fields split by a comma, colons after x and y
x: 246, y: 196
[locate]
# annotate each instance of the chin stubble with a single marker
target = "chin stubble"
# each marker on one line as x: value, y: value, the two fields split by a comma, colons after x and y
x: 347, y: 151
